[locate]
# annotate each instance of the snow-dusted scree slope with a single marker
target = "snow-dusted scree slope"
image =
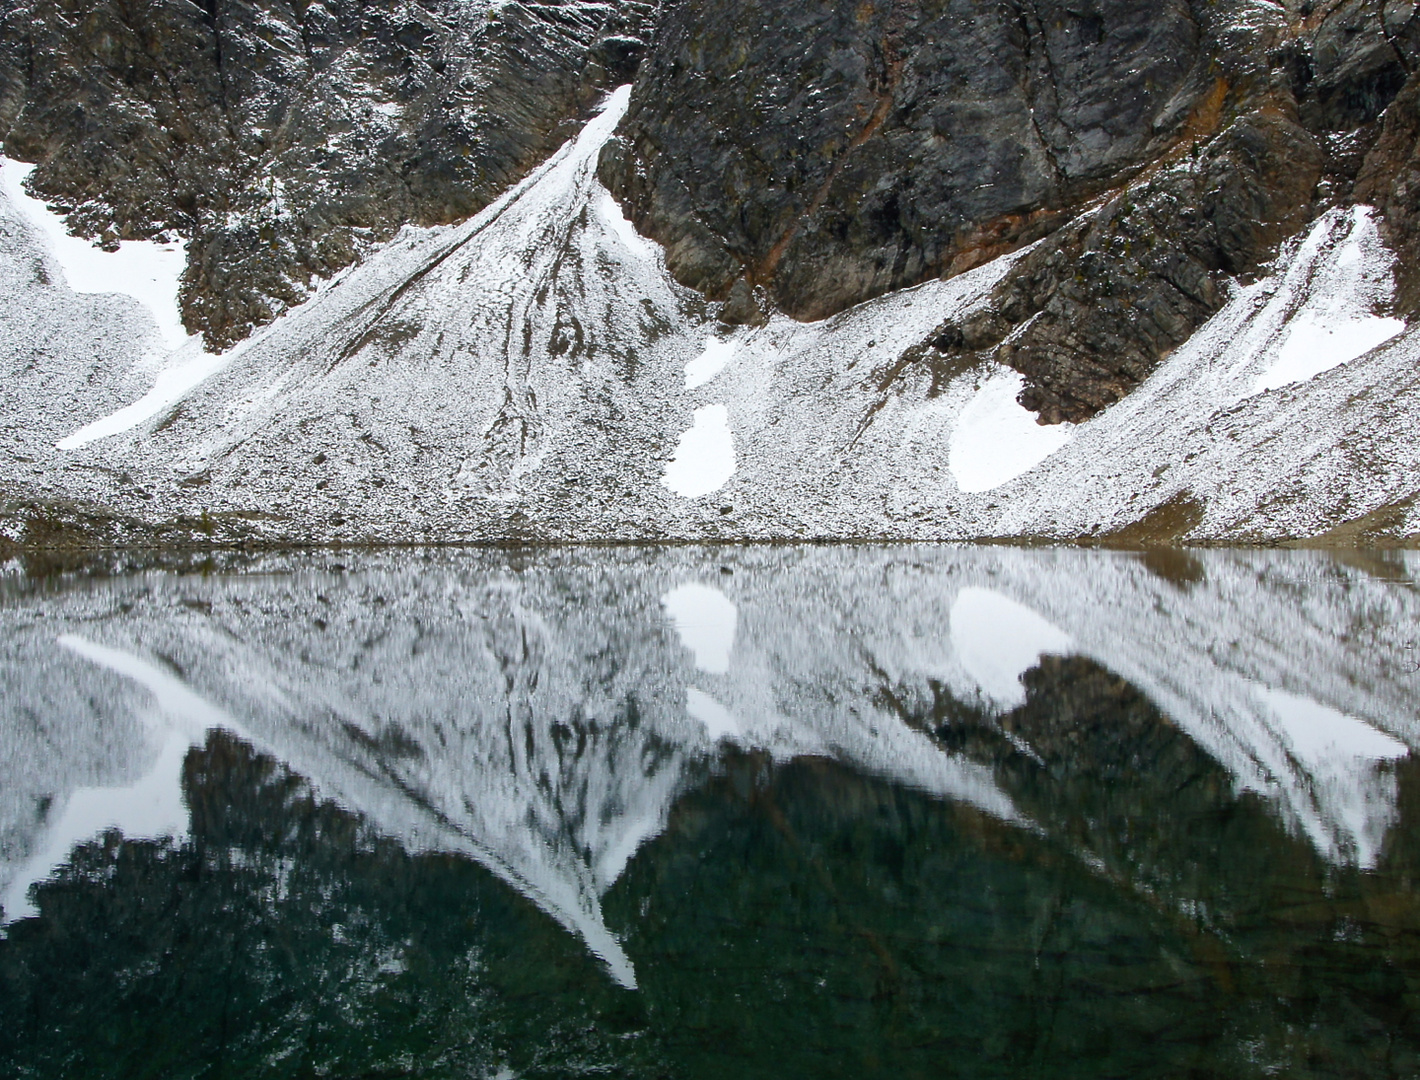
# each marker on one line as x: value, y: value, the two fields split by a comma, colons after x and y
x: 542, y: 714
x: 535, y: 373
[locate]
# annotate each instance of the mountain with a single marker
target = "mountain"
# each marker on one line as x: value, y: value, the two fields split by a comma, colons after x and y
x: 283, y: 139
x: 891, y: 271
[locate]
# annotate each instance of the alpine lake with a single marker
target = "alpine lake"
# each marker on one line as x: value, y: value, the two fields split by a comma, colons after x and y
x: 712, y: 812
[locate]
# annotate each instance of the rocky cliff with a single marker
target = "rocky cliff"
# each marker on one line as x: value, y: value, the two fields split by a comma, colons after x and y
x: 815, y: 156
x: 284, y: 137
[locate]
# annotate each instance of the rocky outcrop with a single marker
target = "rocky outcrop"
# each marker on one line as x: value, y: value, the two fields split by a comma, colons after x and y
x: 1350, y: 59
x: 1390, y: 180
x: 1089, y: 314
x: 283, y: 137
x: 840, y: 153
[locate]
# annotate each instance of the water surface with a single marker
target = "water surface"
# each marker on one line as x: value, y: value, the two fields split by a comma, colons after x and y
x: 779, y: 812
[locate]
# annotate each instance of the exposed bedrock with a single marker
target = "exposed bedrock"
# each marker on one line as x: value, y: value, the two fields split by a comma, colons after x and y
x: 799, y: 156
x: 1088, y: 314
x: 1390, y: 179
x: 831, y: 152
x: 283, y: 137
x: 814, y: 156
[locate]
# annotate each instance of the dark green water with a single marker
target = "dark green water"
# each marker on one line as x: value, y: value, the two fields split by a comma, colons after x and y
x: 946, y: 813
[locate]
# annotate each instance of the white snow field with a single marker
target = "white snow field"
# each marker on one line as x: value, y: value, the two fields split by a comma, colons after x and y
x: 704, y: 457
x: 437, y: 693
x: 534, y: 372
x: 710, y: 363
x: 146, y: 270
x: 995, y: 439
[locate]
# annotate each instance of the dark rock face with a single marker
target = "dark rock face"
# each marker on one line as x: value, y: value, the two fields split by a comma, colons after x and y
x: 1390, y: 179
x: 831, y: 154
x: 282, y: 137
x: 1355, y: 56
x: 1091, y: 312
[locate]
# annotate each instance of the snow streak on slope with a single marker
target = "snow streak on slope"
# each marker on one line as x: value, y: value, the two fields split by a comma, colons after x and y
x: 171, y: 383
x: 1332, y: 317
x: 543, y: 715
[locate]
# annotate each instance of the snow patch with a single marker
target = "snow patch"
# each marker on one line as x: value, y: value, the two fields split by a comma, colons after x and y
x: 705, y: 619
x: 704, y: 457
x: 995, y: 440
x: 1320, y: 341
x: 1335, y: 299
x: 609, y: 211
x: 708, y: 364
x: 143, y: 269
x: 998, y: 640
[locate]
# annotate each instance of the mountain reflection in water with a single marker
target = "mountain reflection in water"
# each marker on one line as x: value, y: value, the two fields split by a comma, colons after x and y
x: 739, y: 812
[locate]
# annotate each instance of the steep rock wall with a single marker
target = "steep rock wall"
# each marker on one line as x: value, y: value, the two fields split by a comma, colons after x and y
x: 283, y: 137
x: 811, y: 159
x: 830, y: 153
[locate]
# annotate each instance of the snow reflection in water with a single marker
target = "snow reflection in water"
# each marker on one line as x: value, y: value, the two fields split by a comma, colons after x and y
x: 545, y: 714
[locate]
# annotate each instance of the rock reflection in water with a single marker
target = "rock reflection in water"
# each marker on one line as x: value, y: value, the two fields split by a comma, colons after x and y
x: 814, y: 812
